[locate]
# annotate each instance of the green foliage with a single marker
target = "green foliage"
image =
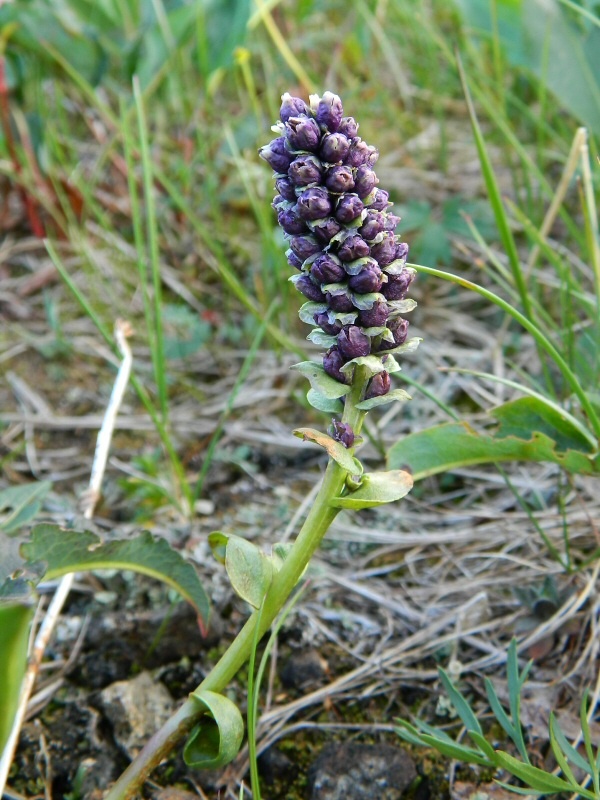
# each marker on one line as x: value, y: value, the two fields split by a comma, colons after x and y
x: 335, y: 450
x: 20, y: 504
x: 375, y: 489
x: 15, y: 619
x: 559, y: 42
x: 538, y: 780
x: 531, y: 429
x: 63, y: 551
x: 216, y: 740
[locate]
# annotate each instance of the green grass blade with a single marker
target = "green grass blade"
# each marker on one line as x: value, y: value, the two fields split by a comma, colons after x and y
x: 463, y: 709
x: 515, y: 682
x: 559, y: 754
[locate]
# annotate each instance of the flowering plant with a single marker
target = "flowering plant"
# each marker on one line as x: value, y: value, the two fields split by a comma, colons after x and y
x: 351, y: 268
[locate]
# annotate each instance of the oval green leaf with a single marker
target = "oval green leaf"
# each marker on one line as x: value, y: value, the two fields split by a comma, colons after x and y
x: 320, y: 381
x: 250, y: 570
x: 325, y: 404
x: 396, y: 394
x: 376, y: 489
x: 217, y: 739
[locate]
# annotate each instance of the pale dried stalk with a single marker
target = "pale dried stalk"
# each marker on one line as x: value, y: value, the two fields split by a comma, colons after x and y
x: 122, y: 332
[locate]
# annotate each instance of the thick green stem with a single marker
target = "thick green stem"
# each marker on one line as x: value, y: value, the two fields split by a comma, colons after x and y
x: 311, y: 534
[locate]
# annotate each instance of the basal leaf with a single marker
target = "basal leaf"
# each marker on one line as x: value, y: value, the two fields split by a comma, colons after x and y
x: 538, y: 779
x: 525, y: 415
x: 456, y: 444
x: 336, y: 450
x: 320, y: 381
x: 217, y: 739
x: 67, y: 551
x: 376, y: 489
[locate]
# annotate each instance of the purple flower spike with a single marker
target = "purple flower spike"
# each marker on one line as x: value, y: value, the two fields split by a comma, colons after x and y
x: 330, y: 111
x: 325, y: 270
x: 379, y: 385
x: 332, y: 362
x: 276, y: 154
x: 342, y: 432
x: 292, y: 107
x: 314, y: 203
x: 303, y: 133
x: 334, y: 148
x: 348, y: 208
x: 341, y: 235
x: 368, y: 280
x: 340, y: 179
x: 352, y: 342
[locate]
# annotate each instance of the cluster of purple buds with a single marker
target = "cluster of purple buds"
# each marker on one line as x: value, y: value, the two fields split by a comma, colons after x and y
x: 351, y: 265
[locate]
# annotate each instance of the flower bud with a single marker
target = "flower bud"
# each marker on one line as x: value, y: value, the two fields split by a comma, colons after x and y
x: 348, y: 208
x: 314, y: 203
x: 285, y: 188
x: 397, y: 285
x: 380, y: 203
x: 329, y: 112
x: 325, y: 229
x: 376, y: 316
x: 364, y: 181
x: 305, y: 246
x: 309, y: 289
x: 401, y: 250
x: 294, y: 261
x: 304, y: 170
x: 385, y: 251
x: 352, y: 342
x: 391, y: 221
x: 339, y: 303
x: 399, y: 329
x: 373, y: 225
x: 276, y: 154
x: 342, y: 432
x: 332, y: 361
x: 302, y: 133
x: 340, y: 179
x: 369, y: 279
x: 334, y: 148
x: 352, y: 248
x: 322, y: 320
x: 361, y: 153
x: 291, y: 221
x: 349, y: 127
x: 325, y: 270
x: 292, y: 107
x: 379, y: 385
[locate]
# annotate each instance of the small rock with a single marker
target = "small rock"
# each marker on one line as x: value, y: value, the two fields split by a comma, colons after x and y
x: 135, y: 708
x: 357, y: 771
x: 303, y: 670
